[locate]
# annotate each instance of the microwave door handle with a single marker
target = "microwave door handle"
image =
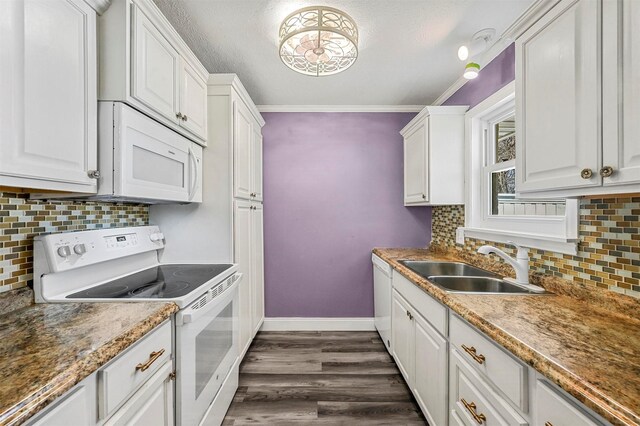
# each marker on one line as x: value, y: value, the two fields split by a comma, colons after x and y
x: 196, y: 170
x: 192, y: 316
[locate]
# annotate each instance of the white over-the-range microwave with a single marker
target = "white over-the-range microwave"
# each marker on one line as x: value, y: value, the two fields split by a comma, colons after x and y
x: 141, y: 161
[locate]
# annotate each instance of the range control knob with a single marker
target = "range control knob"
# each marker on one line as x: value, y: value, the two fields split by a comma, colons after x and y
x: 64, y: 251
x: 80, y: 249
x: 156, y: 236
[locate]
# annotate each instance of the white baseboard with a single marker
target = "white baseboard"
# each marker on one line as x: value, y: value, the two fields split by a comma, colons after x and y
x: 318, y: 324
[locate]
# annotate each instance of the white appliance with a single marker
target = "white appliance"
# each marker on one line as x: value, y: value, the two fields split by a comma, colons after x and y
x: 141, y: 160
x: 121, y: 264
x: 382, y: 299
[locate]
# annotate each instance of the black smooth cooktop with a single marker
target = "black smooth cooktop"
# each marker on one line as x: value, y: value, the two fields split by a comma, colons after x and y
x: 159, y: 282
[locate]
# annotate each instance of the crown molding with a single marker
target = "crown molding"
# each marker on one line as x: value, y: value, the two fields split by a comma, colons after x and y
x: 536, y: 11
x: 100, y: 6
x: 340, y: 108
x: 231, y: 79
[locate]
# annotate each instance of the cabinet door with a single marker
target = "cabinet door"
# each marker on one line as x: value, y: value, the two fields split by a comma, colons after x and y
x: 151, y: 405
x: 558, y: 99
x: 415, y: 165
x: 553, y: 409
x: 48, y: 107
x: 430, y: 385
x: 193, y: 101
x: 621, y: 90
x: 155, y: 64
x: 402, y: 337
x: 257, y: 267
x: 243, y: 257
x: 242, y: 135
x: 256, y: 160
x: 75, y: 407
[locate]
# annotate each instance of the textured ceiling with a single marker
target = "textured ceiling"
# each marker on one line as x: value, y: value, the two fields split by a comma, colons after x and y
x: 407, y: 49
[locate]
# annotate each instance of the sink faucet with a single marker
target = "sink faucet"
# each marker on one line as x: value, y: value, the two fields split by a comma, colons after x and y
x: 520, y: 264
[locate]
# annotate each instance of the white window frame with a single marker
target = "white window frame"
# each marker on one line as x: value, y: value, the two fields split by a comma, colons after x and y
x: 554, y: 233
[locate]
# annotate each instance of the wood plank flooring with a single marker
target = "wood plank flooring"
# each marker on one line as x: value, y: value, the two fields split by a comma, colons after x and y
x: 327, y: 378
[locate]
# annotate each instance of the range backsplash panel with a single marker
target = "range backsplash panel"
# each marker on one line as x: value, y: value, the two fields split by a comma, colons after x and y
x: 608, y: 253
x: 22, y: 219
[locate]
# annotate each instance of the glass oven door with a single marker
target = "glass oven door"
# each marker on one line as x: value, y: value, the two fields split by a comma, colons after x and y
x: 207, y: 348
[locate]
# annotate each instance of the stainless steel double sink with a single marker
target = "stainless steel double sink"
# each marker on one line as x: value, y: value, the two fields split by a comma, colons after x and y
x: 456, y: 277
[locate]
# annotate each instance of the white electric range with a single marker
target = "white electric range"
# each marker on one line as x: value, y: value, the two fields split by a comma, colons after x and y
x: 121, y: 265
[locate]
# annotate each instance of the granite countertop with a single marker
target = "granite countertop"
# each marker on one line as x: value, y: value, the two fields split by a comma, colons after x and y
x: 46, y: 349
x: 590, y: 351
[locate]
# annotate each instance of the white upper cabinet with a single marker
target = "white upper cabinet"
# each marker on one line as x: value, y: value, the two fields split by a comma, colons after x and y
x: 434, y: 157
x: 155, y: 67
x: 242, y: 146
x: 144, y: 62
x: 48, y: 109
x: 557, y: 99
x: 193, y: 101
x: 256, y: 158
x: 576, y: 112
x: 247, y: 153
x: 621, y: 89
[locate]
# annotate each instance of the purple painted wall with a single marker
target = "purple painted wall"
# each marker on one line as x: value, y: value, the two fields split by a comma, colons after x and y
x: 494, y: 76
x: 333, y: 185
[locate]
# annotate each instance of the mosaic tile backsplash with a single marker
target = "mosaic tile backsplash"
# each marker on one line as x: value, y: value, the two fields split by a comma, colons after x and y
x: 22, y: 219
x: 608, y: 254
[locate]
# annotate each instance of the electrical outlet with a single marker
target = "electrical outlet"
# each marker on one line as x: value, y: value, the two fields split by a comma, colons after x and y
x: 460, y: 236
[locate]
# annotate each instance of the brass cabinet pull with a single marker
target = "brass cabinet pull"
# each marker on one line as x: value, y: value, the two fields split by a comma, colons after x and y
x: 409, y: 315
x: 471, y: 408
x: 606, y: 171
x: 480, y: 359
x: 424, y: 197
x: 179, y: 116
x: 153, y: 356
x: 548, y: 424
x: 586, y: 173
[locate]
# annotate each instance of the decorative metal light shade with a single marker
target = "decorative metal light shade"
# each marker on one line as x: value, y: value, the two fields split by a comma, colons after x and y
x: 318, y: 41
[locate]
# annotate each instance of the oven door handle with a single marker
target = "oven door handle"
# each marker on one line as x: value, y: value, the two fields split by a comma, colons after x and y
x: 191, y: 315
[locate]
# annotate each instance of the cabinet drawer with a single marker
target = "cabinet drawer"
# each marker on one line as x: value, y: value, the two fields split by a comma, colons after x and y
x: 553, y: 409
x: 124, y: 374
x: 505, y: 372
x: 474, y: 401
x: 426, y: 305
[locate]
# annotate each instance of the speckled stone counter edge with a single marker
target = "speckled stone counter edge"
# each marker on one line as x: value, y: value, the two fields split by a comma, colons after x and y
x: 572, y: 384
x: 85, y: 366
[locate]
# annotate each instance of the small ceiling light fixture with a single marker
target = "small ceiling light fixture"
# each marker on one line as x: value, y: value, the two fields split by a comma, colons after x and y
x: 471, y: 71
x: 480, y: 42
x: 318, y: 41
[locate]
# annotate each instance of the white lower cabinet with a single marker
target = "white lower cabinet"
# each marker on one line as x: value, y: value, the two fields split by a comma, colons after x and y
x: 248, y: 253
x: 78, y: 406
x: 459, y: 376
x: 135, y: 388
x: 151, y: 405
x: 421, y: 354
x: 430, y: 384
x: 552, y: 408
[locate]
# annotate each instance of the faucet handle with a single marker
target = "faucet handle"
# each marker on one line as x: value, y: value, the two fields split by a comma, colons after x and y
x: 523, y: 252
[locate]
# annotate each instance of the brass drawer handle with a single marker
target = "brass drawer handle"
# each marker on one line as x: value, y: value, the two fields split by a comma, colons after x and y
x: 153, y: 356
x: 480, y: 359
x: 471, y: 408
x: 548, y: 424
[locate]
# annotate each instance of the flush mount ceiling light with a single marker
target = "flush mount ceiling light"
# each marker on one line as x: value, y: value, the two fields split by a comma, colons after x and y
x: 480, y: 42
x: 318, y: 41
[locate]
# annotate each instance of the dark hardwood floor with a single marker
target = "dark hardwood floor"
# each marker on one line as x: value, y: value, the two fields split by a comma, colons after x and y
x: 329, y: 378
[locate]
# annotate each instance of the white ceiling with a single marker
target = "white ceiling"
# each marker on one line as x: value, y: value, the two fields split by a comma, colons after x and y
x: 407, y: 49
